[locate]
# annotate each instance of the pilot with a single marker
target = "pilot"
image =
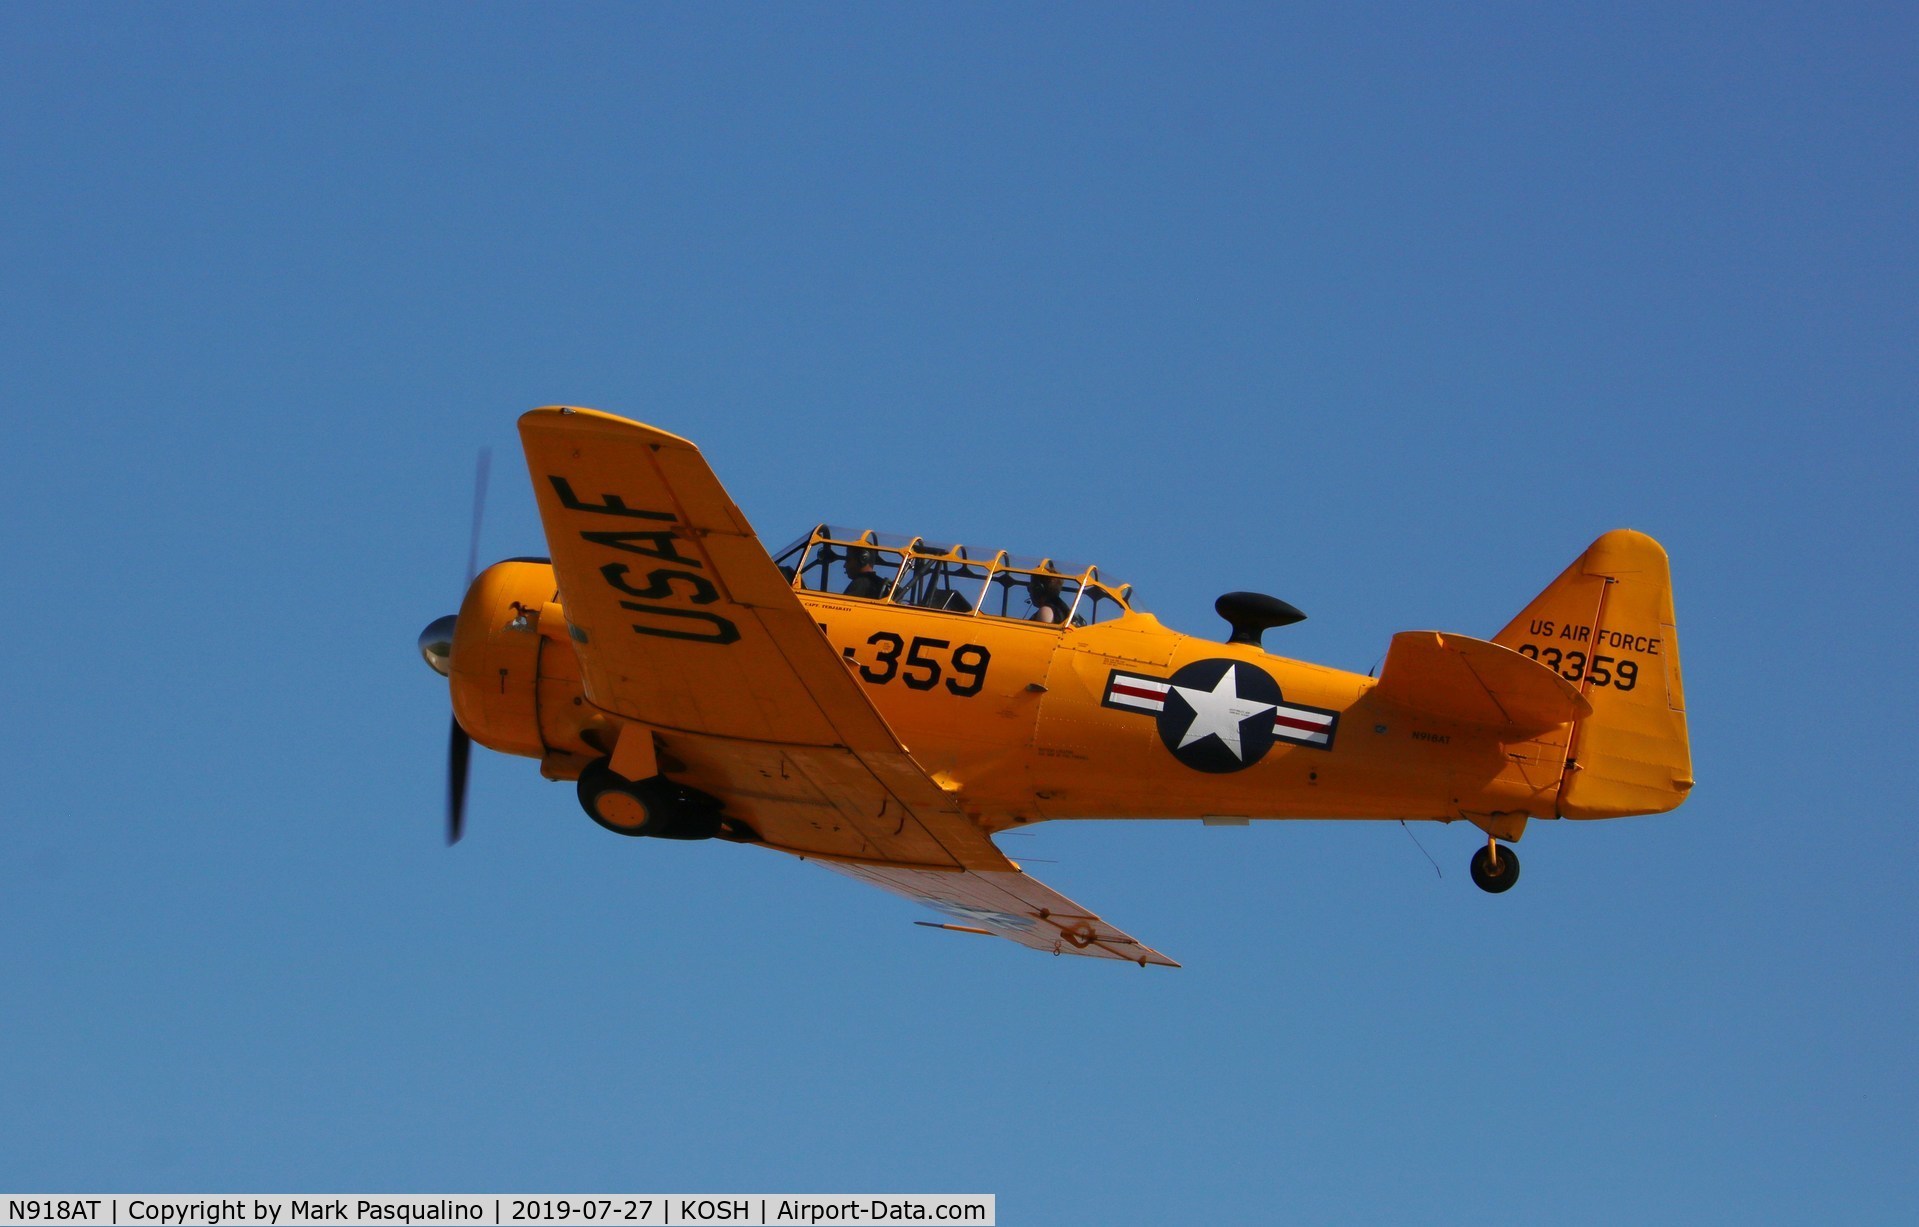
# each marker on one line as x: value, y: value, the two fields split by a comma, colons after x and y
x: 861, y: 579
x: 1043, y: 592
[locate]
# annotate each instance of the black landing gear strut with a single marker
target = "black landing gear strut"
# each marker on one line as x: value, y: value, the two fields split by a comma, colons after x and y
x: 1494, y: 868
x: 657, y: 806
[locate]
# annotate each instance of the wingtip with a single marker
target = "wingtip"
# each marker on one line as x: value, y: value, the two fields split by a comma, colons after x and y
x: 595, y: 421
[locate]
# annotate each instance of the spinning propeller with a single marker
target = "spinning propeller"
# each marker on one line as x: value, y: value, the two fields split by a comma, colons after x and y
x: 436, y: 644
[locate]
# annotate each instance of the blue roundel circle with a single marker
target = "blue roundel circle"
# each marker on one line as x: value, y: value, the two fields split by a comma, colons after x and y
x: 1218, y: 715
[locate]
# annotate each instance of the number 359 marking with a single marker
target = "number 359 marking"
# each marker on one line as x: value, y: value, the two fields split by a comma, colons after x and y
x: 921, y: 671
x: 1619, y: 674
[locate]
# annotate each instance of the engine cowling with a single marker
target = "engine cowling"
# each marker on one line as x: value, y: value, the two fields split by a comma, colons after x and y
x: 496, y: 657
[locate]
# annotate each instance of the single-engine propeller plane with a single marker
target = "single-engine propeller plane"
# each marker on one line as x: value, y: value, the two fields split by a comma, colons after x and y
x: 883, y: 705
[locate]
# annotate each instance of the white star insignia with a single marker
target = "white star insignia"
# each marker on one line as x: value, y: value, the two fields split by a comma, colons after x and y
x: 1219, y: 711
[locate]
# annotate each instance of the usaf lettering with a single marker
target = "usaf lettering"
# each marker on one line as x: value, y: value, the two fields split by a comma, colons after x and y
x: 693, y: 588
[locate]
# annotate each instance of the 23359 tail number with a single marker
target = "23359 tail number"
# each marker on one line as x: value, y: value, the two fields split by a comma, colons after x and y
x: 1619, y: 673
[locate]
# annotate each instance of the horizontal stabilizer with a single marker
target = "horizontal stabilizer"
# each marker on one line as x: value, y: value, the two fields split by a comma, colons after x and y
x: 1471, y: 681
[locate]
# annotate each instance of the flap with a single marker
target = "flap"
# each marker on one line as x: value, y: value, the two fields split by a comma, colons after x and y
x: 1472, y: 681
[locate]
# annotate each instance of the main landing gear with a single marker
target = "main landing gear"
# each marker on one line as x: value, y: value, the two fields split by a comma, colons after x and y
x: 1494, y: 868
x: 657, y: 807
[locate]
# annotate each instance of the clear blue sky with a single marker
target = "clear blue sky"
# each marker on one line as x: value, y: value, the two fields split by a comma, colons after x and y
x: 1386, y: 311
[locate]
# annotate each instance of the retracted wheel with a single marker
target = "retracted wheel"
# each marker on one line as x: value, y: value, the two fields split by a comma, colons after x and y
x: 612, y: 800
x: 1494, y: 868
x: 657, y: 807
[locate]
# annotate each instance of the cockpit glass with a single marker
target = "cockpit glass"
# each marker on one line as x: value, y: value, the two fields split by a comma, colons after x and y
x: 941, y: 577
x: 868, y: 565
x: 1036, y: 596
x: 1097, y: 603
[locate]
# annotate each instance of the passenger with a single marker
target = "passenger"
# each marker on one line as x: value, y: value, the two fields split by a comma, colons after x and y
x: 1043, y: 592
x: 862, y: 580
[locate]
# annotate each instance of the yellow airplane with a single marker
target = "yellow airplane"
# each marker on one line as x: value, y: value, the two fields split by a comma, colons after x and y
x: 884, y: 705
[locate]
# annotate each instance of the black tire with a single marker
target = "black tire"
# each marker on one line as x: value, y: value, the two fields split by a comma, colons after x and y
x: 614, y: 801
x: 1495, y: 879
x: 655, y: 807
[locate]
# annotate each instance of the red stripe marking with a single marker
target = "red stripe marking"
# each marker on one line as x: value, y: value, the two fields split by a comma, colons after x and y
x: 1294, y: 722
x: 1137, y: 692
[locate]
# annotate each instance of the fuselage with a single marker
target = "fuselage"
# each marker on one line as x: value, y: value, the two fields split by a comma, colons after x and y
x: 1028, y: 721
x: 1088, y: 722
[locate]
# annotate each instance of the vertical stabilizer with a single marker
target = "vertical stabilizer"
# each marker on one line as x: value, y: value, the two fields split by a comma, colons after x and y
x: 1606, y: 625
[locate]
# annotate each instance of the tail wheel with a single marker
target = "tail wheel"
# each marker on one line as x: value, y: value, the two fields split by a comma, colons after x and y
x: 1494, y: 868
x: 657, y: 807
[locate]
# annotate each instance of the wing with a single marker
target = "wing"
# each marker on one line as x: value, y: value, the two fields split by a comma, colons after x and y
x: 682, y: 623
x: 1010, y: 905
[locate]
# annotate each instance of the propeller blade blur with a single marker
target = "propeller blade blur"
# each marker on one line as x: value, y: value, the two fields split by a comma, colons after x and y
x: 480, y: 469
x: 459, y: 750
x: 459, y: 746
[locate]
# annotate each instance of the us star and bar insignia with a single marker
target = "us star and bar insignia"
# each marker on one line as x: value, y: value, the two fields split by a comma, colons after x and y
x: 1220, y: 715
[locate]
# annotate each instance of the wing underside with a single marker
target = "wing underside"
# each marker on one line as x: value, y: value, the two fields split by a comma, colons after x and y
x: 1008, y: 904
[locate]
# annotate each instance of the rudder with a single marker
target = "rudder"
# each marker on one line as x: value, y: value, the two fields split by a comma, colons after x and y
x: 1606, y: 624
